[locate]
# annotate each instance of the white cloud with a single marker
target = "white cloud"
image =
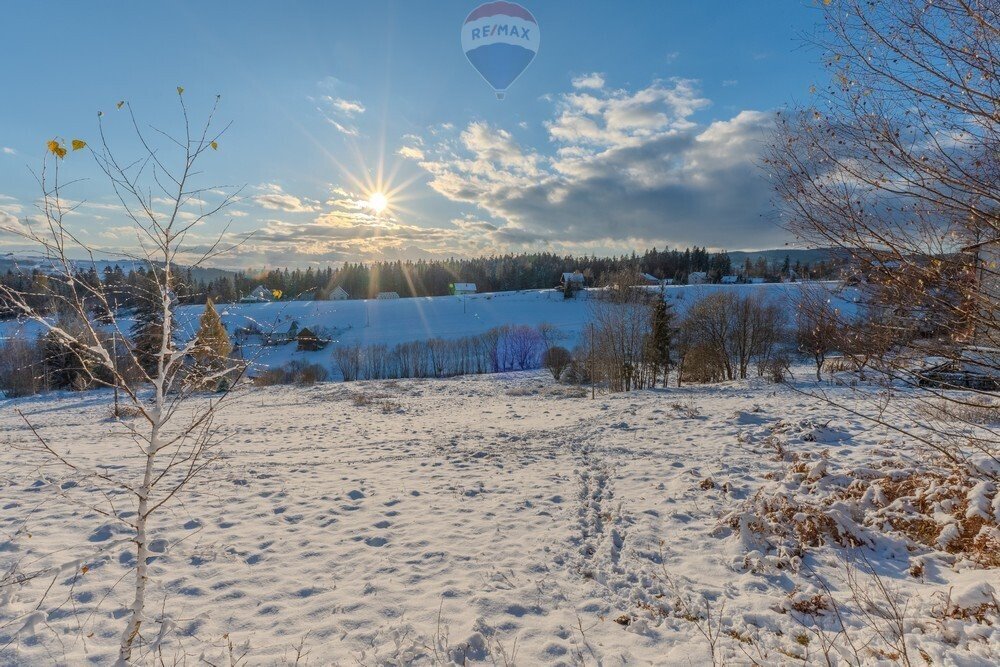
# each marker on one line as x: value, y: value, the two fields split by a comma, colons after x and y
x: 592, y: 80
x: 274, y: 198
x: 628, y: 167
x: 411, y: 153
x: 346, y: 107
x: 349, y: 130
x: 7, y: 150
x: 339, y: 111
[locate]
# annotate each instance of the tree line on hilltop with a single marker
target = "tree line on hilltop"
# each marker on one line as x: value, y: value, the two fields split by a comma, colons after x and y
x: 125, y: 289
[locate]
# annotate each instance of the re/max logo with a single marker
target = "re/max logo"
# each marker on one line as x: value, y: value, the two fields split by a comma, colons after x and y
x: 502, y: 30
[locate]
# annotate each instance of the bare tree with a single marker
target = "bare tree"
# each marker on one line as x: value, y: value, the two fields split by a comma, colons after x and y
x: 818, y: 328
x: 898, y: 164
x: 621, y: 315
x: 174, y: 438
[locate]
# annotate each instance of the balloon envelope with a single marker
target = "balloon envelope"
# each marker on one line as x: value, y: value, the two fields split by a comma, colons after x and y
x: 500, y: 39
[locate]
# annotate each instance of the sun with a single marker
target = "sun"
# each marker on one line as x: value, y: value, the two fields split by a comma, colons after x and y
x: 377, y: 202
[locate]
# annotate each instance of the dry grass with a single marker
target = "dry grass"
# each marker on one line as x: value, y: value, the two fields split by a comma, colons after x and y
x: 928, y: 506
x: 378, y: 400
x: 974, y: 411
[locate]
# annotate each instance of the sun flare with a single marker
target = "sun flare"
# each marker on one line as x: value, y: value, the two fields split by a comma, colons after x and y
x: 377, y: 202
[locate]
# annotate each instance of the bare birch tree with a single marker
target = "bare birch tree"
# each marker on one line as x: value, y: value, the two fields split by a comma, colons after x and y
x: 174, y: 437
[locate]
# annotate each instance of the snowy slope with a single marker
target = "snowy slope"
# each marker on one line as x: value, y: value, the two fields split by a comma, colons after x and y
x: 473, y: 518
x: 368, y: 322
x: 403, y: 320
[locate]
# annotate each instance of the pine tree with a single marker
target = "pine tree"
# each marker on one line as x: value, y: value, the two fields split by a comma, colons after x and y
x: 660, y: 338
x: 211, y: 347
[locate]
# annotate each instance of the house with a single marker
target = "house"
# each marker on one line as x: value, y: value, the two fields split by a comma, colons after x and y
x: 281, y: 338
x: 309, y: 341
x: 462, y: 288
x: 649, y: 279
x: 260, y: 294
x: 730, y: 279
x: 386, y: 296
x: 756, y: 281
x: 570, y: 284
x: 697, y: 278
x: 339, y: 294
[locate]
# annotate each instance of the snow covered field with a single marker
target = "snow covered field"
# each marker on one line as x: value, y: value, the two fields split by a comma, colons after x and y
x: 404, y: 320
x: 496, y: 519
x: 370, y: 322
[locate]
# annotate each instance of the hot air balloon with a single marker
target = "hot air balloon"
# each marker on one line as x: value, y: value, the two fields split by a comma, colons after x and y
x: 500, y: 39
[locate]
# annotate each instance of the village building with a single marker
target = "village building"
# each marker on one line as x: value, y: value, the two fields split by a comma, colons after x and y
x: 260, y: 294
x: 697, y: 278
x: 570, y: 283
x: 386, y: 296
x: 309, y: 341
x: 462, y: 288
x: 339, y: 294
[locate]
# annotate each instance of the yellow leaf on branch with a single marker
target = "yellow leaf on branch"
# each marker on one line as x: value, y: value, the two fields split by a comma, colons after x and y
x: 214, y: 145
x: 78, y: 144
x: 120, y: 104
x: 180, y: 90
x: 56, y: 148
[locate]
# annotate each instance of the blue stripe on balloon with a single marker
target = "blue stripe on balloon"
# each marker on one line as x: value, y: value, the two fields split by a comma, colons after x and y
x: 500, y: 63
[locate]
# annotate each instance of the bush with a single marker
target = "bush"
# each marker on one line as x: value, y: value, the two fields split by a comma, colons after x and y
x: 297, y: 372
x: 556, y: 360
x: 21, y: 368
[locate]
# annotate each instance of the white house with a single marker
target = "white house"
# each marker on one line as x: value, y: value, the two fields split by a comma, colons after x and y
x: 339, y: 294
x: 463, y: 288
x: 574, y: 277
x: 729, y: 279
x: 260, y: 294
x: 697, y: 278
x: 385, y: 296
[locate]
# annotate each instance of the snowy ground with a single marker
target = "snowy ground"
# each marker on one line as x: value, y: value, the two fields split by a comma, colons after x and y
x: 482, y: 518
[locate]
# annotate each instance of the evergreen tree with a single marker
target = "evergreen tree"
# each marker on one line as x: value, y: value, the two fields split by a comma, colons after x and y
x: 660, y: 338
x: 211, y: 348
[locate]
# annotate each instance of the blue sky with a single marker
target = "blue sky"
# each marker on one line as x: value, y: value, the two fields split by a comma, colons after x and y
x: 637, y: 124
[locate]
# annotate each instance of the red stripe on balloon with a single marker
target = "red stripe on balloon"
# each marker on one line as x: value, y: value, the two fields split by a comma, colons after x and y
x: 500, y: 8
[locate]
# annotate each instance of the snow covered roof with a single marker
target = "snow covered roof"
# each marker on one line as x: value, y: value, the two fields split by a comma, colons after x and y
x: 465, y: 287
x: 387, y: 295
x: 572, y: 277
x: 259, y: 294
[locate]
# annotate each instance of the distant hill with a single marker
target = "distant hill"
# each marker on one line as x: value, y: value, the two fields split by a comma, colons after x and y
x: 27, y: 264
x: 809, y: 256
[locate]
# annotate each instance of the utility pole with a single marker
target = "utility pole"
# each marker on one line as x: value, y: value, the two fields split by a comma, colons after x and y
x: 114, y: 364
x: 593, y: 393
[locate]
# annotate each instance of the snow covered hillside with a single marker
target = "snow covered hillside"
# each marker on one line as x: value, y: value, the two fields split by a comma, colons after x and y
x: 404, y: 320
x: 491, y: 519
x: 369, y: 322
